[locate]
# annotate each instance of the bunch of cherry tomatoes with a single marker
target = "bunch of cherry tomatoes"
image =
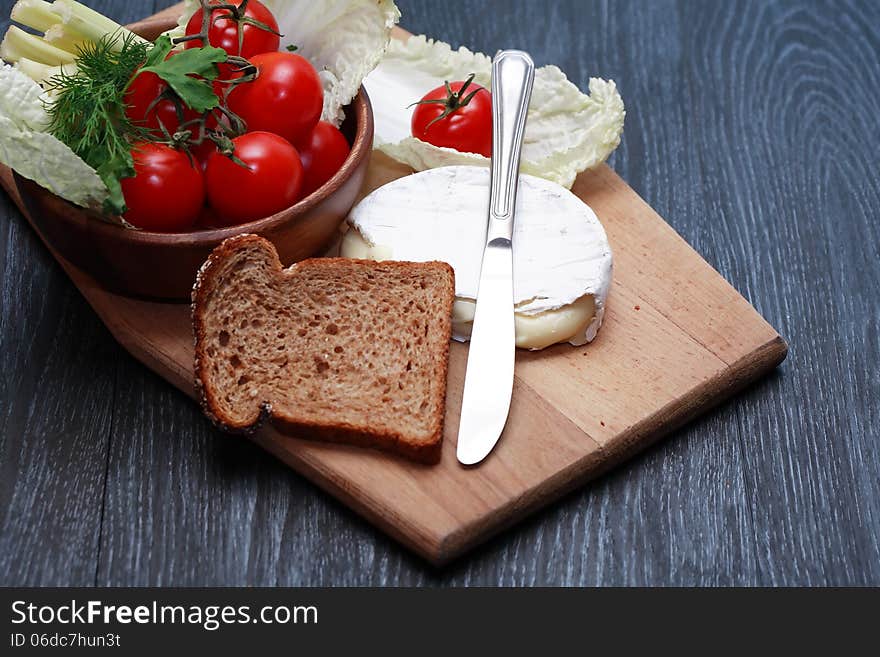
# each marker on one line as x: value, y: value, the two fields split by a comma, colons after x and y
x: 283, y: 154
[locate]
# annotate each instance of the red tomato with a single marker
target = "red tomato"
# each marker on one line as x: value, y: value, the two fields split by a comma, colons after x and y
x: 286, y: 98
x: 203, y: 152
x: 143, y: 107
x: 270, y: 181
x: 223, y: 32
x: 322, y: 153
x: 467, y: 126
x: 166, y: 193
x: 141, y: 110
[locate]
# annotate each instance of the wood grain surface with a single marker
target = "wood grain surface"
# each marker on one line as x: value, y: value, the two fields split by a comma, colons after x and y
x: 741, y: 133
x: 676, y: 341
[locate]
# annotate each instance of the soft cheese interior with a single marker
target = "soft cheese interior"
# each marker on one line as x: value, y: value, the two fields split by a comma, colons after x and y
x: 562, y: 261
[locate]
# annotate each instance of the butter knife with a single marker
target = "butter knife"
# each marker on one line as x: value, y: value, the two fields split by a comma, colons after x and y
x: 488, y: 383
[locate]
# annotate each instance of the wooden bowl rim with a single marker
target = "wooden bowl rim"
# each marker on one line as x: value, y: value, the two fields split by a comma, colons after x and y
x: 361, y: 148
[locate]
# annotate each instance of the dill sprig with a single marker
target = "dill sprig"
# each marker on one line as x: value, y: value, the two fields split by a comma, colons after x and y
x: 88, y: 107
x: 88, y: 110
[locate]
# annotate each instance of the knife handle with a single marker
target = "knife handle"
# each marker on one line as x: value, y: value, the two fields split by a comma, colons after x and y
x: 513, y: 74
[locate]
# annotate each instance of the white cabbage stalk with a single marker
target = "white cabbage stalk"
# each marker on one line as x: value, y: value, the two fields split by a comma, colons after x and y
x: 67, y: 25
x: 62, y: 37
x: 82, y: 23
x: 25, y: 143
x: 18, y: 44
x: 343, y: 39
x: 35, y: 154
x: 43, y: 73
x: 567, y: 131
x: 37, y: 14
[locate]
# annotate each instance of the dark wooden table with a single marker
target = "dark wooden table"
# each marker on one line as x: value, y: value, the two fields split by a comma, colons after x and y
x: 753, y: 127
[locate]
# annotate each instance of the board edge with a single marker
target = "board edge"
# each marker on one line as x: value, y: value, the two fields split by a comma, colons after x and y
x: 713, y: 392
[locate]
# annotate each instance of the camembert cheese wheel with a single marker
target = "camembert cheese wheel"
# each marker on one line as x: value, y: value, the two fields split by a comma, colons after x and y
x: 561, y: 258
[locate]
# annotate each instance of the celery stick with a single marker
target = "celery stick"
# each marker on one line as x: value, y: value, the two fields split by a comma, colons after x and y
x: 88, y: 24
x: 35, y: 14
x: 41, y: 73
x: 60, y: 37
x: 17, y: 44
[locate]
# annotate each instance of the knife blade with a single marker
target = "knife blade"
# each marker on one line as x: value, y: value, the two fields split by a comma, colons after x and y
x: 488, y: 384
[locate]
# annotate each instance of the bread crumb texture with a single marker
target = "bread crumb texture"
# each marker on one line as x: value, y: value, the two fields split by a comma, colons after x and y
x: 344, y: 350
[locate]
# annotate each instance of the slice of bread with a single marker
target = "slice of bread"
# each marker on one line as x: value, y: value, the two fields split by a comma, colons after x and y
x: 351, y: 351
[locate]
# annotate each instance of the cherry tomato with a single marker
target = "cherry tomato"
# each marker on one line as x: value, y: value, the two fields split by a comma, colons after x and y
x: 166, y: 193
x: 467, y: 124
x: 223, y: 32
x: 144, y: 110
x: 286, y: 97
x: 269, y: 182
x: 322, y: 153
x: 203, y: 152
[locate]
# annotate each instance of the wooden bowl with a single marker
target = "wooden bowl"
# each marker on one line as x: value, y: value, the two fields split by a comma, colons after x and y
x: 164, y: 265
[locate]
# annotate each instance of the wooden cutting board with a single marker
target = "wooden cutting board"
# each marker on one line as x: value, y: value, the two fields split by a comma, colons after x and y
x: 677, y: 340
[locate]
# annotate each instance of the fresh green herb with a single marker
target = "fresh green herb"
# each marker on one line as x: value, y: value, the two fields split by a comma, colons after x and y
x: 179, y: 71
x: 292, y: 48
x: 88, y: 112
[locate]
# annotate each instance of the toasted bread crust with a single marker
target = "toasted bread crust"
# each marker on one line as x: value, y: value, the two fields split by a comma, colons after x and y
x: 206, y: 282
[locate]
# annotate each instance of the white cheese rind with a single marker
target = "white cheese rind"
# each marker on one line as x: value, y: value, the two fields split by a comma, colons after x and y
x: 561, y: 252
x: 576, y: 323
